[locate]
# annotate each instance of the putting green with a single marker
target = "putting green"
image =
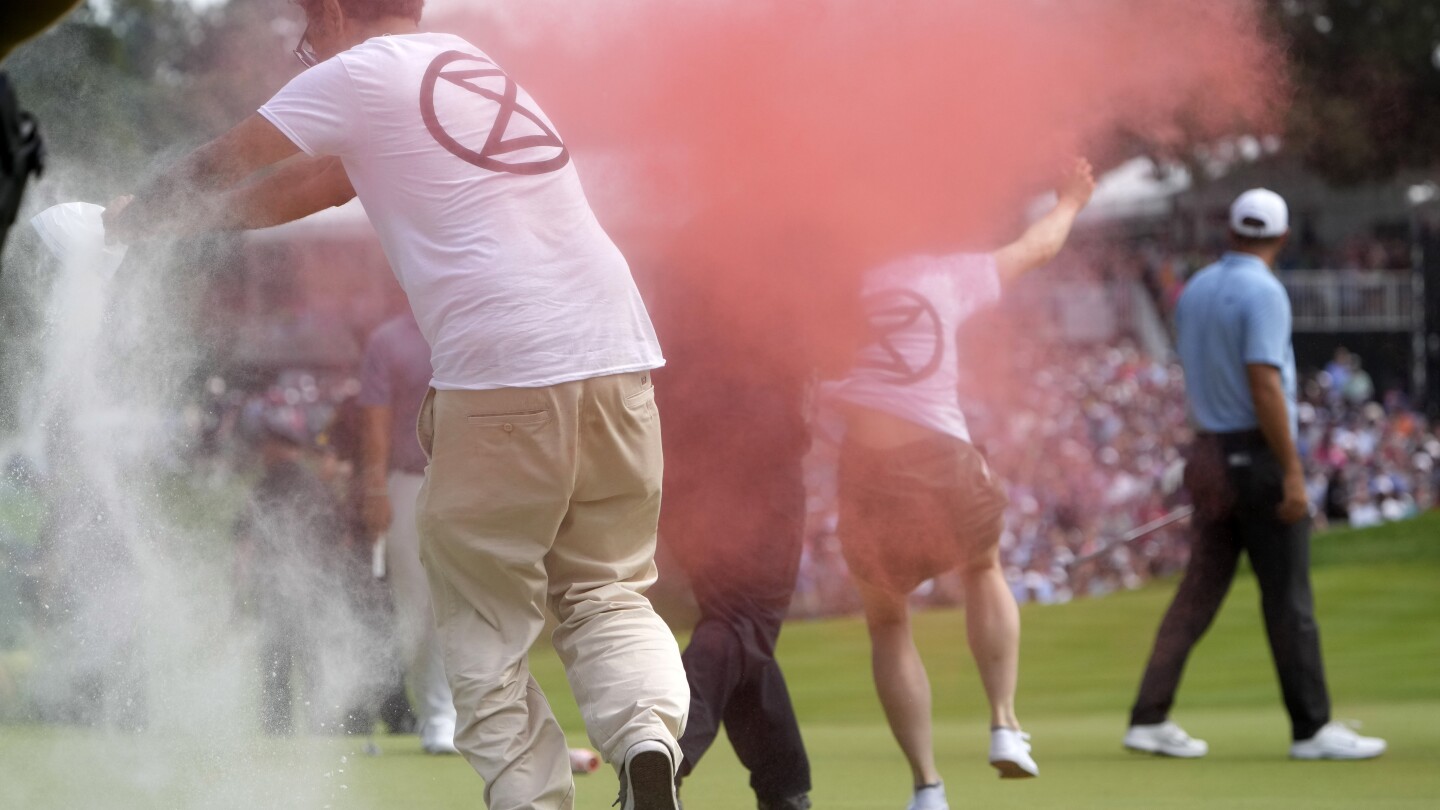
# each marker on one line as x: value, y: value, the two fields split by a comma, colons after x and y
x: 1379, y: 603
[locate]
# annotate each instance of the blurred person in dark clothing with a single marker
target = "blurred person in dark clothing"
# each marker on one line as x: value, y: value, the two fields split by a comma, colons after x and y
x: 344, y: 440
x: 734, y: 519
x: 736, y: 397
x: 296, y: 574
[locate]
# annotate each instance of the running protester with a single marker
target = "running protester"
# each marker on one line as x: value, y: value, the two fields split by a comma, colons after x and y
x: 540, y: 426
x: 916, y: 496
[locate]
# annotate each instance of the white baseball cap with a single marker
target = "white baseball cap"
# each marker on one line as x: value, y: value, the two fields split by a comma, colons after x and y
x: 1260, y: 213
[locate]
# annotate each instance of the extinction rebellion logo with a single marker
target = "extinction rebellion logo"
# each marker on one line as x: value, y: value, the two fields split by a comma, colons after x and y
x: 515, y: 129
x: 901, y: 315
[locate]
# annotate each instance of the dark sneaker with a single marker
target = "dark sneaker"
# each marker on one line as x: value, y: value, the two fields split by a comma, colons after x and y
x: 798, y: 802
x: 647, y: 782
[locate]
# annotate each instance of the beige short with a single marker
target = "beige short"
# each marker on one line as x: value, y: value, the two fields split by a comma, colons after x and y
x: 911, y: 513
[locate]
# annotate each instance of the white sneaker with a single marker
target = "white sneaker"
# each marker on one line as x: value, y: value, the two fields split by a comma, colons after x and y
x: 647, y: 780
x: 1010, y: 754
x: 930, y: 797
x: 1337, y: 741
x: 438, y: 738
x: 1165, y: 739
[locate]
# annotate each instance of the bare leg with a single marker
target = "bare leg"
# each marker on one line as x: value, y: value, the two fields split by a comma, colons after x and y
x: 992, y: 626
x: 900, y: 680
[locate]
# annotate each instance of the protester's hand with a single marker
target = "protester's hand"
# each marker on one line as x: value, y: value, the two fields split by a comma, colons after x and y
x: 377, y: 512
x: 117, y: 230
x: 1296, y: 505
x: 1078, y: 184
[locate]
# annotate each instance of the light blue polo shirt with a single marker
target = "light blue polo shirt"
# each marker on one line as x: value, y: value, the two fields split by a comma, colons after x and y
x: 1231, y: 314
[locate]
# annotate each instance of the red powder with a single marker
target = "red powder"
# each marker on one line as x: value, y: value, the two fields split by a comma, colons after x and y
x: 753, y: 157
x: 708, y: 132
x: 906, y: 125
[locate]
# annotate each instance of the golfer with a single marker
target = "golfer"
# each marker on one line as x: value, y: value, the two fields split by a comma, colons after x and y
x: 540, y: 426
x: 917, y: 498
x: 1245, y: 478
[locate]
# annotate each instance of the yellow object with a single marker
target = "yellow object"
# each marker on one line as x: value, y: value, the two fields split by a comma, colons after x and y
x: 21, y: 21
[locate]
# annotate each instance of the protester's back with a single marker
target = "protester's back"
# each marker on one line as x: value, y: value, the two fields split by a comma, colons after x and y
x: 480, y: 211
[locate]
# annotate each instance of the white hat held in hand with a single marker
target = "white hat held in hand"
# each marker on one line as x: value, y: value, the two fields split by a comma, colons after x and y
x: 75, y: 234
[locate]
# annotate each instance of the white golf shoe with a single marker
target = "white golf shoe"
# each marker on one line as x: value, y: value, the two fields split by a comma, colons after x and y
x: 1165, y: 739
x: 929, y: 797
x: 438, y: 737
x: 1337, y: 741
x: 1010, y: 754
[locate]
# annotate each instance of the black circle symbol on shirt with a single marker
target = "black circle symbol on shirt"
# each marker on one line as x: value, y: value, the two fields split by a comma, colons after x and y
x: 893, y: 312
x: 488, y: 157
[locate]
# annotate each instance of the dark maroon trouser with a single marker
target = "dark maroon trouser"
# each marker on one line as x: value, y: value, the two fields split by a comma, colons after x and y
x: 743, y: 576
x: 1236, y: 483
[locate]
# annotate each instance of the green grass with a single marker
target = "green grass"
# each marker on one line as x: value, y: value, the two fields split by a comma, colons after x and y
x: 1378, y: 594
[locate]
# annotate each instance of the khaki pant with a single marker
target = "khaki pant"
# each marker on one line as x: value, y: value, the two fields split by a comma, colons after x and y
x: 536, y: 496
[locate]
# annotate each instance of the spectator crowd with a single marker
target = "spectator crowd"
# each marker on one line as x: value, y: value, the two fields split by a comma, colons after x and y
x: 1093, y: 451
x: 1090, y: 452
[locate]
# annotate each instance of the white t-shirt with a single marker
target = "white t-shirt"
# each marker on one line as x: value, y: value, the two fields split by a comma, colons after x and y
x: 910, y: 368
x: 479, y: 209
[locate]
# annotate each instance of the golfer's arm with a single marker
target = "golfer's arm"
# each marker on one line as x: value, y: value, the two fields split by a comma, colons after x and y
x: 375, y: 448
x: 193, y: 184
x: 1039, y: 244
x: 1268, y: 396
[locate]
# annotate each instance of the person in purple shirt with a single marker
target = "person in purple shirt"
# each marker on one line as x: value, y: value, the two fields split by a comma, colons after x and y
x: 394, y: 378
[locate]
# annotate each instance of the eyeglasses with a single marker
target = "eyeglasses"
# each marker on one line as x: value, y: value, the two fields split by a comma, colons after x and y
x: 304, y: 52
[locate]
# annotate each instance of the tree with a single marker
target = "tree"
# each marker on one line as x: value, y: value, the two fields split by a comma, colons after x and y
x: 116, y: 91
x: 1366, y: 76
x: 119, y: 91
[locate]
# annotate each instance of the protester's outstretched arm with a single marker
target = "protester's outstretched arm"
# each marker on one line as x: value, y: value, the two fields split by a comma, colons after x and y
x: 1043, y: 239
x: 193, y: 187
x: 296, y: 189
